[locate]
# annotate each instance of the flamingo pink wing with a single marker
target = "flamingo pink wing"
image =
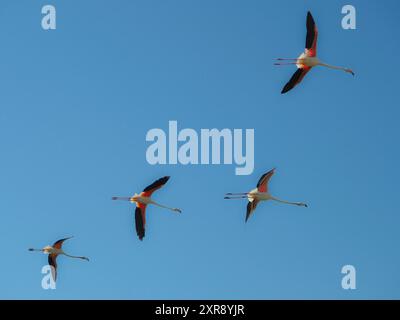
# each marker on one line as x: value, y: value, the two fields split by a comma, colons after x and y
x: 262, y: 184
x: 148, y: 191
x: 296, y: 78
x: 312, y: 36
x: 58, y: 244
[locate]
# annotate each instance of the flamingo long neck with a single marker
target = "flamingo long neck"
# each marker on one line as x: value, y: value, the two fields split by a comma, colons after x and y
x: 332, y: 67
x: 162, y: 206
x: 75, y: 257
x: 283, y: 201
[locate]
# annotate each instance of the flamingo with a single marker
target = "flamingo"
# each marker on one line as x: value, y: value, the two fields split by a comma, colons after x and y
x: 142, y: 200
x: 308, y: 59
x: 53, y: 252
x: 259, y: 194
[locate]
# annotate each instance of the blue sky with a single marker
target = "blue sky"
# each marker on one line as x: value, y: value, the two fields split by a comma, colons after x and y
x: 76, y: 104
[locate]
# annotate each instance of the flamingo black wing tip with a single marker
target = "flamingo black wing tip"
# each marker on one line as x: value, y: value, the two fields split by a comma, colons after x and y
x: 164, y: 179
x: 285, y: 89
x: 290, y: 85
x: 141, y: 236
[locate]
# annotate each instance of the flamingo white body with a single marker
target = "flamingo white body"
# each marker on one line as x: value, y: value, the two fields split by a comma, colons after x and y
x: 140, y: 199
x: 51, y: 250
x: 265, y: 196
x: 308, y: 59
x: 258, y: 194
x: 144, y: 199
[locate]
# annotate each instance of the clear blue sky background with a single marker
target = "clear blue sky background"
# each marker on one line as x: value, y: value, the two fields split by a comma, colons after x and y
x: 76, y: 104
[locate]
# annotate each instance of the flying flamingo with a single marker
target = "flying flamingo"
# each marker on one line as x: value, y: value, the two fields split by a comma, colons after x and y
x: 142, y: 200
x: 308, y: 58
x: 54, y: 251
x: 259, y: 194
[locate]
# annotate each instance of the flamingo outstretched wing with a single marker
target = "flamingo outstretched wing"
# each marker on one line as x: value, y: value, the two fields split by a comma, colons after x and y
x: 148, y: 191
x: 52, y: 260
x: 58, y: 244
x: 251, y: 206
x: 262, y: 184
x: 140, y: 220
x: 140, y: 212
x: 312, y: 36
x: 310, y: 50
x: 296, y: 78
